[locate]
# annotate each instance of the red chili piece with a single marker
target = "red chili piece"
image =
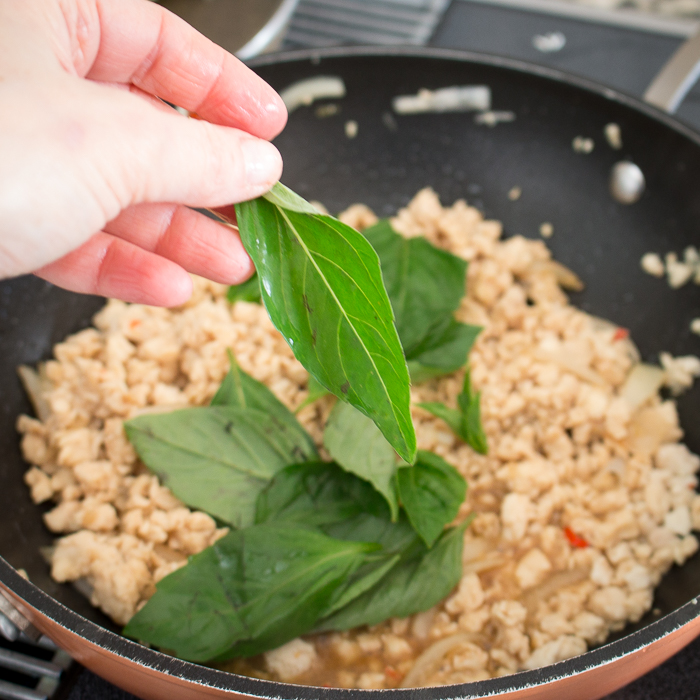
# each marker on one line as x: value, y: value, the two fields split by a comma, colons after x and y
x: 620, y: 334
x: 391, y: 672
x: 574, y: 539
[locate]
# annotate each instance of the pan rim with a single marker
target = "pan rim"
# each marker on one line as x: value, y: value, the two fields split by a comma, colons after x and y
x: 153, y: 660
x: 316, y: 56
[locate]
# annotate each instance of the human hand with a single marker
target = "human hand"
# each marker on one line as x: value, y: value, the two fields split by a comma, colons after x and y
x: 95, y: 172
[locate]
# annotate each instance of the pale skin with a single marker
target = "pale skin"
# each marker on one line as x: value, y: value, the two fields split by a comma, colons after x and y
x: 97, y: 174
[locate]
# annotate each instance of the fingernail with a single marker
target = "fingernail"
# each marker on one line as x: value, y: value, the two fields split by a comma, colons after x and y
x: 263, y: 163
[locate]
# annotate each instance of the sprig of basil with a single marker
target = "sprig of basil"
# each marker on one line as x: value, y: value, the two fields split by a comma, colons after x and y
x: 465, y: 421
x: 425, y: 286
x: 322, y: 287
x: 321, y: 546
x: 323, y: 554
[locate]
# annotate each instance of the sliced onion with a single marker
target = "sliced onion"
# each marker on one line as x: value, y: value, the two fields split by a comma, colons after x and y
x: 642, y: 383
x: 652, y: 427
x: 552, y: 585
x: 84, y: 587
x: 47, y: 553
x: 35, y: 386
x: 431, y: 658
x: 564, y: 276
x: 305, y: 92
x: 490, y: 561
x: 478, y: 555
x: 565, y: 361
x: 452, y: 99
x: 599, y: 324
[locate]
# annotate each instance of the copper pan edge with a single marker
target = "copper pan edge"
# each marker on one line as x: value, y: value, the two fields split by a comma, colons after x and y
x: 150, y: 683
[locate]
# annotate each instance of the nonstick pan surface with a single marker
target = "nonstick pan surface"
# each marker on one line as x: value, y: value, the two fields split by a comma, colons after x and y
x: 389, y: 160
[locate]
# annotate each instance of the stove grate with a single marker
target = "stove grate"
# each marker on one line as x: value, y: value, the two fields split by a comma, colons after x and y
x: 318, y: 23
x: 29, y: 670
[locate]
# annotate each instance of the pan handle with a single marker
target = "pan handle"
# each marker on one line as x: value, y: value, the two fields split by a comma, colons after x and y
x: 674, y: 80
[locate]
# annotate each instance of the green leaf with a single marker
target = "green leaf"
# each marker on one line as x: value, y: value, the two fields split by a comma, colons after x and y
x: 465, y: 422
x: 246, y: 291
x: 425, y: 284
x: 345, y: 507
x: 421, y: 579
x: 241, y: 390
x: 470, y: 403
x: 252, y: 590
x: 362, y: 580
x: 319, y: 494
x: 451, y: 416
x: 443, y: 351
x: 431, y: 492
x: 323, y: 289
x: 316, y: 391
x: 395, y: 539
x: 284, y: 198
x: 358, y: 446
x: 219, y: 458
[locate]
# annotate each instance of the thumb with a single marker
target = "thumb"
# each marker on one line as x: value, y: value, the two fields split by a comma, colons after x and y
x: 161, y: 156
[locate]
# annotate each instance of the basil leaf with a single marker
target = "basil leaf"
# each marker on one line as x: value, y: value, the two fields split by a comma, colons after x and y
x: 246, y: 291
x: 358, y: 446
x: 425, y: 284
x: 431, y: 492
x: 451, y: 416
x: 421, y: 579
x: 284, y: 198
x: 241, y: 390
x: 395, y: 540
x: 219, y: 458
x: 343, y: 506
x: 443, y: 351
x: 466, y: 422
x: 365, y: 578
x: 319, y: 494
x: 315, y: 390
x: 252, y: 590
x: 323, y: 495
x: 470, y: 403
x: 322, y: 287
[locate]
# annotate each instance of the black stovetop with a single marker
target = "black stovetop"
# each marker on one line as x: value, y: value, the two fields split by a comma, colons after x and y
x: 623, y: 57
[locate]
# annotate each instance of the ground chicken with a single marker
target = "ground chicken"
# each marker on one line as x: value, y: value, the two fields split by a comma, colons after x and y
x: 580, y: 506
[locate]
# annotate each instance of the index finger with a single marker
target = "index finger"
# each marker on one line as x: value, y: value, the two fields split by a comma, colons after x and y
x: 146, y: 45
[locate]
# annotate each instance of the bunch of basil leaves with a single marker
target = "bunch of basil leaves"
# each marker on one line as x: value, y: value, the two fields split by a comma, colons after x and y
x: 316, y: 545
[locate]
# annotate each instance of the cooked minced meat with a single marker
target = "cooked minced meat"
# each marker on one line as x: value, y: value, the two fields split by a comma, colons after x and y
x: 582, y: 503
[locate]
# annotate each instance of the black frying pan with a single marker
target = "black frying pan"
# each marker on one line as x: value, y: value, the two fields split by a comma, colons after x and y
x: 599, y: 238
